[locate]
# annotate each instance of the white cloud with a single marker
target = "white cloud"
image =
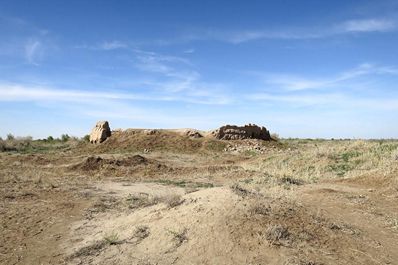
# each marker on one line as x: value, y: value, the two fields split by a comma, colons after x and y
x: 104, y: 46
x: 112, y: 45
x: 173, y: 75
x: 369, y: 25
x: 116, y: 107
x: 282, y: 34
x: 287, y: 33
x: 294, y: 82
x: 32, y: 93
x: 308, y: 99
x: 23, y: 40
x: 44, y: 94
x: 32, y: 51
x: 295, y: 91
x: 192, y: 50
x: 337, y: 100
x: 346, y: 27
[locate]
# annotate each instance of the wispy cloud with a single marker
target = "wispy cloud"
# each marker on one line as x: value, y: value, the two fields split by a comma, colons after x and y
x: 107, y: 45
x: 294, y: 82
x: 174, y: 76
x: 112, y: 45
x: 290, y: 90
x: 282, y: 34
x: 337, y: 100
x: 12, y: 92
x: 32, y: 51
x: 350, y: 26
x: 340, y: 28
x: 298, y: 99
x: 369, y: 25
x: 15, y: 93
x: 191, y: 50
x: 24, y: 41
x: 114, y: 106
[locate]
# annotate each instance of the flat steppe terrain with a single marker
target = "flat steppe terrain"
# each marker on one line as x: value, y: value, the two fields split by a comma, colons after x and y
x: 164, y: 198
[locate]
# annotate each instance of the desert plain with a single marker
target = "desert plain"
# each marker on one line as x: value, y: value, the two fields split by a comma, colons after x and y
x: 168, y: 197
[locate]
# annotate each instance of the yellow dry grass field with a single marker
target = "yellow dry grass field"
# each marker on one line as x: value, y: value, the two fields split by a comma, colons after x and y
x: 165, y: 198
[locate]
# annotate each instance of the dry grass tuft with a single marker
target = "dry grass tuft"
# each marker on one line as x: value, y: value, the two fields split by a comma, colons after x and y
x: 179, y: 237
x: 173, y: 200
x: 141, y: 200
x: 141, y: 232
x: 112, y: 238
x: 89, y: 250
x: 277, y: 235
x: 240, y: 190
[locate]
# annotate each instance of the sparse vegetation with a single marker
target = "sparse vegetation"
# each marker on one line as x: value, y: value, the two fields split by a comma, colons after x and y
x: 112, y: 238
x: 89, y: 250
x: 10, y: 137
x: 185, y: 183
x: 103, y: 204
x: 277, y: 235
x: 252, y: 197
x: 26, y: 145
x: 141, y: 232
x: 240, y: 190
x: 65, y: 137
x: 140, y: 200
x: 179, y: 237
x: 86, y: 138
x: 173, y: 200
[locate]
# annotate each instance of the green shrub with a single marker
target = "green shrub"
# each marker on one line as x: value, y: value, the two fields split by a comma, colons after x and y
x: 10, y: 137
x: 86, y: 138
x: 65, y: 137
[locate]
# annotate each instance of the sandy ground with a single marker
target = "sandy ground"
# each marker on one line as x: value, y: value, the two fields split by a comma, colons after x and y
x: 168, y: 207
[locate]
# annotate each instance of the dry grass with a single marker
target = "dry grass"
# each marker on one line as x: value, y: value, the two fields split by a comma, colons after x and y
x: 141, y: 232
x: 312, y: 160
x: 179, y: 237
x: 277, y: 235
x: 141, y: 200
x: 89, y: 250
x: 112, y: 238
x: 173, y: 200
x: 266, y: 184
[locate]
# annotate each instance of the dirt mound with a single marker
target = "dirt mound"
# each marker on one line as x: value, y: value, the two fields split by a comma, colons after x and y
x: 91, y: 163
x: 219, y: 226
x: 96, y: 162
x: 250, y: 131
x: 138, y: 140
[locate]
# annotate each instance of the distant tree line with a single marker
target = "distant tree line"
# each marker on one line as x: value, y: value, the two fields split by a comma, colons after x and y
x: 64, y: 138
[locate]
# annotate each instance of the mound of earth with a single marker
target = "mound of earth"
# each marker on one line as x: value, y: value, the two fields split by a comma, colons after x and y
x: 223, y: 226
x: 139, y: 140
x: 96, y: 162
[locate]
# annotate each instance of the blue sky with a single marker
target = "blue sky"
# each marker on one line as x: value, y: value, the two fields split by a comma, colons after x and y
x: 300, y: 68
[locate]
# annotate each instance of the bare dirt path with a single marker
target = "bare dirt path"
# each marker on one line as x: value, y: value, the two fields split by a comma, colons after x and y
x: 365, y: 213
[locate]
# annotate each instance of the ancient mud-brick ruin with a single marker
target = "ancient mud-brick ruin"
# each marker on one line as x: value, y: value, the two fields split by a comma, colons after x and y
x: 100, y: 132
x: 250, y: 131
